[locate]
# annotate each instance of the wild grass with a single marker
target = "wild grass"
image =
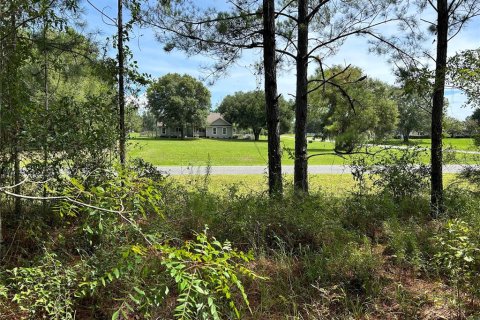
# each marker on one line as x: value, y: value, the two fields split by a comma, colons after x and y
x: 452, y: 143
x: 351, y: 256
x: 338, y: 253
x: 333, y: 184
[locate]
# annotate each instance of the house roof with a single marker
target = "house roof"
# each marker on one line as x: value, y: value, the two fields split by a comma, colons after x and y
x: 211, y: 118
x: 214, y: 116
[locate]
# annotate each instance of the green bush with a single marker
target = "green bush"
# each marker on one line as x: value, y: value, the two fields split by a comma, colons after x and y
x: 207, y: 273
x: 406, y: 243
x: 399, y: 173
x: 46, y: 290
x: 458, y: 254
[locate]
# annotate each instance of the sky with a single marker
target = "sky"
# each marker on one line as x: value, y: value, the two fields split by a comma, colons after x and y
x: 152, y: 59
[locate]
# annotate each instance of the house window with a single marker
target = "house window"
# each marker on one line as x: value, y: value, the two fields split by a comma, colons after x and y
x: 224, y: 131
x: 214, y: 130
x: 164, y: 130
x: 177, y: 129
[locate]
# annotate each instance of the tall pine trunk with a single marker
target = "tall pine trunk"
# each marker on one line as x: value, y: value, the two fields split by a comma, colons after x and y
x: 121, y: 85
x: 2, y: 68
x: 46, y: 123
x: 271, y: 99
x: 301, y: 161
x: 437, y: 206
x: 16, y: 131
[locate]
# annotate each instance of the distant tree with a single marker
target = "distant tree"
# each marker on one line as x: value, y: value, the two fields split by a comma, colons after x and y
x: 413, y: 114
x: 361, y: 110
x: 476, y: 116
x: 133, y: 120
x: 247, y: 110
x: 453, y: 126
x: 148, y: 121
x: 472, y: 127
x: 464, y: 74
x: 179, y: 100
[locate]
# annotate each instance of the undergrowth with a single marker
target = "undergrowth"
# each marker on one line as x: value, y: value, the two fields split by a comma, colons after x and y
x: 365, y: 254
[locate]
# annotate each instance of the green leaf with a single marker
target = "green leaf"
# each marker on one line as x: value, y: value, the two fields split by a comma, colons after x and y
x: 115, y: 315
x: 139, y: 291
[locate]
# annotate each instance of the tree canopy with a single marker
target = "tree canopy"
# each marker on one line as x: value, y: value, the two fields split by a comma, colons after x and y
x: 352, y: 109
x: 247, y: 111
x: 413, y: 114
x: 476, y: 116
x: 179, y: 100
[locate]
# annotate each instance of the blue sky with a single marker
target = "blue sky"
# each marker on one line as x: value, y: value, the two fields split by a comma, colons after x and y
x: 153, y: 60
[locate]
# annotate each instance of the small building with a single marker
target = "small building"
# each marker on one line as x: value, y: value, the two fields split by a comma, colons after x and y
x: 216, y: 127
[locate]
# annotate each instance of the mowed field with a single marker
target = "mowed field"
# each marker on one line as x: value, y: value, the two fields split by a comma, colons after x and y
x: 216, y: 152
x: 450, y: 143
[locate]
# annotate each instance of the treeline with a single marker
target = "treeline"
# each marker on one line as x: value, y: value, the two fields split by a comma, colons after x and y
x: 58, y: 96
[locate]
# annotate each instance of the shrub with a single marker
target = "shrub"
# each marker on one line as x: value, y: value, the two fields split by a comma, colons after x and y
x: 406, y: 242
x: 352, y: 264
x: 46, y: 290
x: 399, y: 173
x: 458, y: 254
x: 476, y: 140
x: 207, y: 273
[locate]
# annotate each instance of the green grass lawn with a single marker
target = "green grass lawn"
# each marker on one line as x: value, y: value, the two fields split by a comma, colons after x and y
x: 197, y: 152
x: 453, y: 143
x: 175, y: 152
x: 338, y: 184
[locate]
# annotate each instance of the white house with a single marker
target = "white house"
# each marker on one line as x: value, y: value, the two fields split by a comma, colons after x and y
x: 217, y: 127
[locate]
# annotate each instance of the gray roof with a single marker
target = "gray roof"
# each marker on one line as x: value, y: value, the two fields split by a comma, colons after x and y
x: 214, y: 116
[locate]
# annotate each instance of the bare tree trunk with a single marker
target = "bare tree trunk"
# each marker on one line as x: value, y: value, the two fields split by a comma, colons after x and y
x: 121, y: 85
x: 271, y: 99
x: 436, y: 203
x: 2, y: 68
x: 46, y: 123
x: 13, y: 106
x: 300, y: 179
x: 406, y: 136
x: 256, y: 134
